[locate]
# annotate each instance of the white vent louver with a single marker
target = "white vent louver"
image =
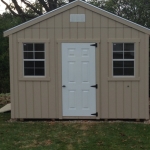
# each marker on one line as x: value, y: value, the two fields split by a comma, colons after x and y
x: 77, y: 17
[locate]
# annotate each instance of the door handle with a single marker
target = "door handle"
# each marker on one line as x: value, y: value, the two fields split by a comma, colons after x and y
x: 63, y: 86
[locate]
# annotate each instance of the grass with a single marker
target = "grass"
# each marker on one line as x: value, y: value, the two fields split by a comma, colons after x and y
x: 72, y: 135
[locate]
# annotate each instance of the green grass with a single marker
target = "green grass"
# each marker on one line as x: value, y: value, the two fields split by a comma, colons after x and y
x: 72, y: 135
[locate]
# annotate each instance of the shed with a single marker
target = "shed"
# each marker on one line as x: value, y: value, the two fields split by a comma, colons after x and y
x: 79, y: 62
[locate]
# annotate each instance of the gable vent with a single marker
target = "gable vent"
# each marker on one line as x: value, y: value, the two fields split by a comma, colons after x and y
x: 77, y: 17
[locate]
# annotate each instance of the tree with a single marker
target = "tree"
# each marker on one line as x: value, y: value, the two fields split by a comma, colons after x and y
x: 32, y: 9
x: 6, y: 21
x: 134, y: 10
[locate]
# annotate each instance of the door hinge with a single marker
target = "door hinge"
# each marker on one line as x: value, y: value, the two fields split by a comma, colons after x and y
x: 96, y: 86
x: 94, y: 45
x: 95, y: 114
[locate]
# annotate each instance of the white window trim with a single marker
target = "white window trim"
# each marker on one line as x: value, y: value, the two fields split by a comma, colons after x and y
x: 21, y: 59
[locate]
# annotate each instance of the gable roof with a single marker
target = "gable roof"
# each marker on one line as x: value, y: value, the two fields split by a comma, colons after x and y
x: 71, y: 5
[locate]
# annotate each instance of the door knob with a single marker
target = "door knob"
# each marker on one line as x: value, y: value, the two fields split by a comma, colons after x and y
x: 63, y: 86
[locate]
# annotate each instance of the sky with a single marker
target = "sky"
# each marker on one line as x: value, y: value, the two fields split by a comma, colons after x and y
x: 2, y: 6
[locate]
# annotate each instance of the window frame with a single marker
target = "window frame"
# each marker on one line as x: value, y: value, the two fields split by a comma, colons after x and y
x: 112, y: 77
x: 46, y: 76
x: 123, y: 59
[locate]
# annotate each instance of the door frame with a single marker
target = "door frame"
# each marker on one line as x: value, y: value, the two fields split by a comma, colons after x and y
x: 58, y: 72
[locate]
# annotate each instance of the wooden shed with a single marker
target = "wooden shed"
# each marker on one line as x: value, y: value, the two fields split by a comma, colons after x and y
x: 79, y: 62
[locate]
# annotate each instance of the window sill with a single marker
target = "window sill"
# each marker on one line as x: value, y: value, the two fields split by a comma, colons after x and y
x: 34, y: 79
x: 123, y: 79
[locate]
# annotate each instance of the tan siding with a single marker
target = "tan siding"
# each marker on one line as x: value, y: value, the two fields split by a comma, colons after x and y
x: 73, y: 26
x: 15, y: 87
x: 22, y: 100
x: 66, y: 25
x: 142, y: 77
x: 37, y: 99
x: 119, y: 30
x: 58, y: 35
x: 81, y: 25
x: 112, y: 26
x: 135, y: 100
x: 89, y: 24
x: 52, y: 68
x: 146, y: 76
x: 44, y: 99
x: 104, y: 69
x: 29, y: 99
x: 127, y: 32
x: 35, y: 31
x: 127, y: 99
x: 112, y: 100
x: 96, y: 26
x: 43, y: 29
x: 119, y: 100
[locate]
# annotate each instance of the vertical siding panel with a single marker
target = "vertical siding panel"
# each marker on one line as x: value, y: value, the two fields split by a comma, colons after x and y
x: 134, y: 33
x: 66, y: 25
x: 43, y: 29
x: 146, y: 76
x: 142, y: 76
x: 52, y: 83
x: 11, y: 62
x: 37, y: 99
x: 127, y: 100
x: 96, y: 26
x: 89, y: 24
x: 22, y: 100
x: 104, y: 67
x: 119, y: 30
x: 111, y: 32
x: 127, y: 32
x: 28, y: 33
x: 58, y: 35
x: 35, y: 31
x: 73, y: 25
x: 15, y: 87
x: 44, y: 99
x: 119, y: 98
x: 30, y: 100
x: 112, y: 99
x: 81, y: 25
x: 135, y: 100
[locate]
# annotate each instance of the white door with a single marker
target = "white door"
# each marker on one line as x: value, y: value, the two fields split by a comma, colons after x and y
x: 78, y: 75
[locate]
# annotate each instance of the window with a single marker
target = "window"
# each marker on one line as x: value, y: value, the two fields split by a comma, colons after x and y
x: 34, y: 59
x: 123, y: 59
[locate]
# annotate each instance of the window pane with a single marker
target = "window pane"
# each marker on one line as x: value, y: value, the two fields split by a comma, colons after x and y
x: 118, y: 64
x: 118, y: 47
x: 39, y: 72
x: 39, y: 64
x: 39, y: 47
x: 39, y: 55
x: 28, y: 47
x: 129, y: 64
x: 118, y: 71
x: 128, y: 46
x: 118, y: 55
x: 128, y: 55
x: 29, y: 64
x: 129, y: 71
x: 28, y: 55
x: 28, y: 71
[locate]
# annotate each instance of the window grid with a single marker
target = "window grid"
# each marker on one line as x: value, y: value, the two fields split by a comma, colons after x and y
x: 124, y: 60
x: 34, y: 68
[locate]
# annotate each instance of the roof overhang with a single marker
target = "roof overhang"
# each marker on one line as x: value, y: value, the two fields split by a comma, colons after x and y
x: 71, y: 5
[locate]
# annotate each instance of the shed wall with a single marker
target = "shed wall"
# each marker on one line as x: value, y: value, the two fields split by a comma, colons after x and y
x: 41, y: 98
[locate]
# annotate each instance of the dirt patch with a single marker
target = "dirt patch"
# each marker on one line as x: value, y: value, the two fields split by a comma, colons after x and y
x: 69, y: 147
x: 4, y: 99
x: 84, y: 127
